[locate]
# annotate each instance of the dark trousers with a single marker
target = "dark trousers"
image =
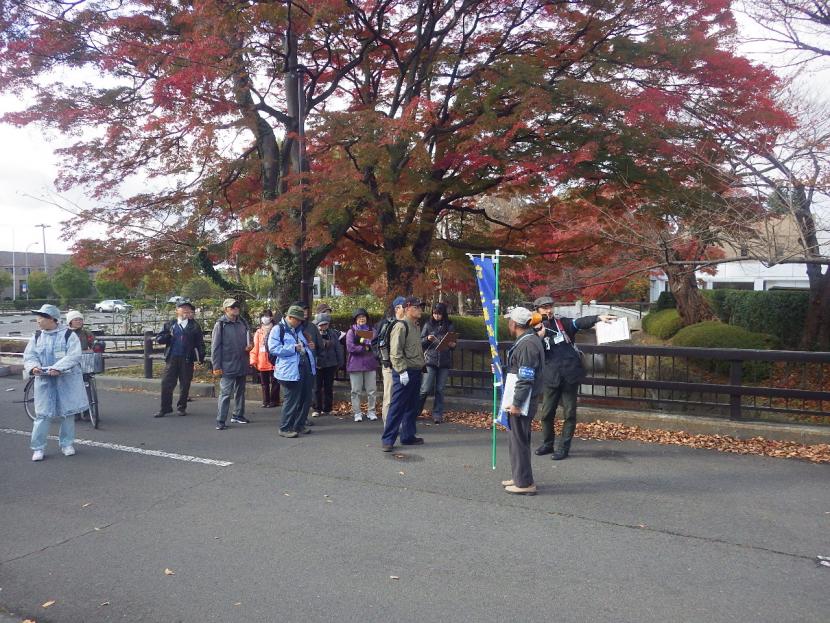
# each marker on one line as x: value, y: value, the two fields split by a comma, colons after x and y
x: 296, y: 399
x: 178, y: 370
x: 270, y: 387
x: 432, y: 384
x: 553, y: 394
x: 324, y: 389
x: 403, y: 409
x: 519, y: 445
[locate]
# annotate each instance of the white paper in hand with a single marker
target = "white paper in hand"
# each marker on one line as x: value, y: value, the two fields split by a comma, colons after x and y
x: 614, y: 331
x: 509, y: 391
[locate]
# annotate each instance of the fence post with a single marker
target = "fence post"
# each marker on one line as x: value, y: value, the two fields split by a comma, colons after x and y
x: 148, y: 350
x: 735, y: 378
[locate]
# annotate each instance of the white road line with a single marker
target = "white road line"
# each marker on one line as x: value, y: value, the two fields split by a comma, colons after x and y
x: 115, y: 446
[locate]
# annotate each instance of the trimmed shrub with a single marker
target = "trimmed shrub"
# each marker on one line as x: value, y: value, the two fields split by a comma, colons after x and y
x: 662, y: 324
x: 666, y: 300
x: 714, y: 334
x: 776, y: 312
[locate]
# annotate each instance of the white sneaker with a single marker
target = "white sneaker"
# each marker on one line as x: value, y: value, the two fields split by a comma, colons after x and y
x: 358, y: 417
x: 372, y: 417
x: 315, y: 414
x: 68, y: 450
x: 37, y: 455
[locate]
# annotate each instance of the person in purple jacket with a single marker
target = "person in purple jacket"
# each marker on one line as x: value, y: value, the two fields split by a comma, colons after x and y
x: 361, y: 365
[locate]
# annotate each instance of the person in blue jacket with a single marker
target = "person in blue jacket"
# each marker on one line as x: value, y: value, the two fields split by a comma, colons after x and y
x: 294, y: 368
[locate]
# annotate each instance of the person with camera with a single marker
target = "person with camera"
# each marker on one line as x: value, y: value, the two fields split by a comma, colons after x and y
x: 562, y: 374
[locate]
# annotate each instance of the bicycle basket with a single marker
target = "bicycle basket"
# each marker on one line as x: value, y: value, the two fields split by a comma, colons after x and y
x: 92, y: 363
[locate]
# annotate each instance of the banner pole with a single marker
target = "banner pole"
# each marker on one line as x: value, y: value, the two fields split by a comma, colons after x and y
x: 495, y: 388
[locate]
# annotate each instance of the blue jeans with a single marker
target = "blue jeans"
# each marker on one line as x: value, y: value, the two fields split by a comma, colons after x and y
x: 433, y: 385
x: 296, y: 400
x: 40, y: 431
x: 231, y: 386
x: 403, y: 409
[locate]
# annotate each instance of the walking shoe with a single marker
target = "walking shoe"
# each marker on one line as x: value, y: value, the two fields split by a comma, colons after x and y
x: 543, y: 450
x: 68, y: 450
x: 181, y: 412
x: 221, y: 426
x: 288, y: 433
x: 358, y: 417
x: 37, y: 455
x: 438, y: 421
x: 386, y: 448
x: 415, y: 441
x: 162, y: 413
x: 558, y: 455
x: 240, y: 420
x: 372, y: 417
x: 309, y: 422
x: 316, y: 414
x: 271, y: 405
x: 265, y: 405
x: 531, y: 490
x: 506, y: 483
x: 304, y: 431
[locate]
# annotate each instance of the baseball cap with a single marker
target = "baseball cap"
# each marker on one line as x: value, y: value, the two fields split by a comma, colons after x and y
x: 50, y: 311
x: 520, y: 316
x: 191, y: 306
x: 399, y: 300
x: 73, y: 315
x: 230, y: 303
x: 412, y: 301
x: 542, y: 300
x: 295, y: 311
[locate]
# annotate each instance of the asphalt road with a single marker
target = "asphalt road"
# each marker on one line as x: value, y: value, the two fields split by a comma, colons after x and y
x: 326, y: 527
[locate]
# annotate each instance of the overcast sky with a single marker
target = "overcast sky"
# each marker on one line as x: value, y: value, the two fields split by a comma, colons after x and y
x: 28, y: 167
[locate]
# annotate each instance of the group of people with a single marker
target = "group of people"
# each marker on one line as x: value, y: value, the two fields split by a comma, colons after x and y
x: 296, y: 358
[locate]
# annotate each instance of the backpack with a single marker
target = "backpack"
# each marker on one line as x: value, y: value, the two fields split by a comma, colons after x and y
x: 273, y: 358
x: 65, y: 336
x: 380, y: 343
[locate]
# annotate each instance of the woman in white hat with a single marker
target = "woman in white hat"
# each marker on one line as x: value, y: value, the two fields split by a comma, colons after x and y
x: 75, y: 321
x: 53, y: 356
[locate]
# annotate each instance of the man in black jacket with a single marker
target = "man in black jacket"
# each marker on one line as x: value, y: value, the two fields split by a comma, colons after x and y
x: 184, y: 344
x: 525, y: 361
x: 563, y: 372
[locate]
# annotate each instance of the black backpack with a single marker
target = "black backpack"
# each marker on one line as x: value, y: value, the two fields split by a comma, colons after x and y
x: 380, y: 343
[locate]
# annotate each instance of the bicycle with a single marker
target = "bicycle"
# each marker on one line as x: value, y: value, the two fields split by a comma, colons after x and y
x: 89, y: 363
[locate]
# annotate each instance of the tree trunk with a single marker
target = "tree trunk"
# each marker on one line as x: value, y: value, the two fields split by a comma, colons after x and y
x: 816, y: 334
x: 691, y: 305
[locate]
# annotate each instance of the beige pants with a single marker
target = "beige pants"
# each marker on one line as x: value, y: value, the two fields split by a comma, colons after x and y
x: 387, y: 391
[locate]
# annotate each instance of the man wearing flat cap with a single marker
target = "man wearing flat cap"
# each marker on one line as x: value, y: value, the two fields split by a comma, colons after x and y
x: 525, y: 361
x: 231, y: 343
x: 563, y: 372
x: 184, y: 344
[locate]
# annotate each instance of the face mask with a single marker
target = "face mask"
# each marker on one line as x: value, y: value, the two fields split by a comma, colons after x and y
x: 266, y: 320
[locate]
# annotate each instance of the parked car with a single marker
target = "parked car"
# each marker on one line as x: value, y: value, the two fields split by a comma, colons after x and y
x: 113, y: 305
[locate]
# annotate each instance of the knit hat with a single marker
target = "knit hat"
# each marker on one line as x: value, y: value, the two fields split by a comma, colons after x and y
x: 322, y: 308
x: 441, y: 308
x: 295, y: 311
x: 399, y: 300
x: 360, y: 312
x: 322, y: 318
x: 73, y: 315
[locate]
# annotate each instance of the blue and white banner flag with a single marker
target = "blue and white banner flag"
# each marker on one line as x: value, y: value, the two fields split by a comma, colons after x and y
x: 486, y: 280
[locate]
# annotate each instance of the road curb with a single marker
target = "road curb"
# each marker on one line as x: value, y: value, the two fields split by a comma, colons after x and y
x: 696, y: 425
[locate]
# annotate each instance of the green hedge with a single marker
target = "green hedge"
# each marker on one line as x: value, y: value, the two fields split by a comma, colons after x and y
x: 666, y: 300
x: 776, y: 312
x: 467, y: 327
x: 714, y: 334
x: 662, y: 324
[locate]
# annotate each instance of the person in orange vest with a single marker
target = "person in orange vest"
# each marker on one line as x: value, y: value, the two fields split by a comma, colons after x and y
x: 261, y: 362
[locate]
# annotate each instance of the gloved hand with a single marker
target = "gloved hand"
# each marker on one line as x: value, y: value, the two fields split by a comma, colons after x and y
x: 404, y: 377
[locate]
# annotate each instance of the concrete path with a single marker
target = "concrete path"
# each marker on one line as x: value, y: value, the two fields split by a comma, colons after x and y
x: 326, y: 527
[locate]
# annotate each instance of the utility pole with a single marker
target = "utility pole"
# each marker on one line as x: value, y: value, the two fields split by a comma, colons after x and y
x: 14, y: 272
x: 43, y: 232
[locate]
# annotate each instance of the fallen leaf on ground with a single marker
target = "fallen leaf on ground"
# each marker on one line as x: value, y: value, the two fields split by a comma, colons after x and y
x: 401, y: 473
x: 238, y: 603
x: 169, y: 572
x: 87, y: 504
x: 29, y: 621
x: 51, y: 602
x: 11, y: 389
x: 105, y: 603
x: 288, y: 495
x: 394, y: 577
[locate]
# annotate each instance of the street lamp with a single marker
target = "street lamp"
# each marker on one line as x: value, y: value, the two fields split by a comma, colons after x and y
x: 28, y: 270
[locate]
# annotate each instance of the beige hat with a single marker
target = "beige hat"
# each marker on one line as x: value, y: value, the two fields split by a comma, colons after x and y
x: 230, y: 303
x: 73, y: 315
